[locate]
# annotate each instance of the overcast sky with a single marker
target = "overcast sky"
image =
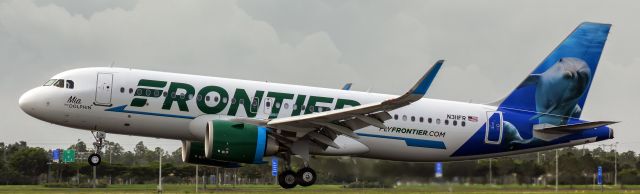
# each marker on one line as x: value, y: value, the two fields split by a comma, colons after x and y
x: 490, y: 46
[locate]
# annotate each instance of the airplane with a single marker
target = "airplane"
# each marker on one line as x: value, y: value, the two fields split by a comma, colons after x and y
x: 229, y: 122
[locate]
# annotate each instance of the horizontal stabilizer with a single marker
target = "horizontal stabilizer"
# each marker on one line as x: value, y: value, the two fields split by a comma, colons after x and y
x: 571, y: 128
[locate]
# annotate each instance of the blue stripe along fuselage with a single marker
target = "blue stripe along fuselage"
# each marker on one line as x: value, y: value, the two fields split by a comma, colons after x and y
x: 411, y: 141
x: 122, y: 109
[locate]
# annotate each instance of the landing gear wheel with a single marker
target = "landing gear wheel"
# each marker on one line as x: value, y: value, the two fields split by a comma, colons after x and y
x: 287, y: 179
x: 306, y: 177
x: 94, y: 159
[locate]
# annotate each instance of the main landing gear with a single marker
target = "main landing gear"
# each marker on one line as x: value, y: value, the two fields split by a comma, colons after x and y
x: 289, y: 179
x: 95, y: 159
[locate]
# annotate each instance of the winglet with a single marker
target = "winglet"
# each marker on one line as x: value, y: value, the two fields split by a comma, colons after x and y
x: 423, y: 84
x: 346, y: 86
x: 417, y: 91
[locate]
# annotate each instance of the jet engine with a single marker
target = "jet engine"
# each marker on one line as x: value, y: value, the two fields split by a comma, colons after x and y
x: 238, y: 142
x: 193, y: 153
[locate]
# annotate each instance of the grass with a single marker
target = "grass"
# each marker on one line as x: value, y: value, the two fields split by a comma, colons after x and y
x: 320, y: 189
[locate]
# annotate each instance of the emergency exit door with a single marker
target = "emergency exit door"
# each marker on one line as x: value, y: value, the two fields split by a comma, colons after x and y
x: 104, y: 84
x: 493, y: 128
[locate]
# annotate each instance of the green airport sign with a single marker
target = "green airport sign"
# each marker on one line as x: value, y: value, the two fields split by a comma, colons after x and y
x: 69, y: 156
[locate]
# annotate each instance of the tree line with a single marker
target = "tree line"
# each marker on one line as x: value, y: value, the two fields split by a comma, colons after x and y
x: 22, y: 164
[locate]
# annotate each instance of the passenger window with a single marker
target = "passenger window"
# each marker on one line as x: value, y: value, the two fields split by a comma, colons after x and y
x: 241, y: 101
x: 286, y: 105
x: 59, y: 83
x: 429, y: 120
x: 215, y: 99
x: 199, y: 98
x: 164, y: 93
x: 413, y: 118
x: 207, y: 98
x: 395, y: 117
x: 233, y: 101
x: 121, y: 89
x: 254, y: 104
x: 224, y: 100
x: 277, y: 105
x: 404, y: 117
x: 70, y: 84
x: 130, y: 90
x: 421, y: 119
x: 268, y: 104
x: 438, y: 121
x: 446, y: 122
x: 462, y: 123
x: 455, y: 123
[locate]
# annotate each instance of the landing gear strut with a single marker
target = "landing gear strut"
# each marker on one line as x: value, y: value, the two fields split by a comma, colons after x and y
x: 289, y: 179
x: 95, y: 159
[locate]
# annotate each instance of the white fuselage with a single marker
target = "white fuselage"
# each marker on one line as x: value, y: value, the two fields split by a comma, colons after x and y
x: 102, y: 99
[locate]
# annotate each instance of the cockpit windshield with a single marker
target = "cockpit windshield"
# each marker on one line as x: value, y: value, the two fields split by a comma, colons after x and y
x: 60, y: 83
x: 50, y: 82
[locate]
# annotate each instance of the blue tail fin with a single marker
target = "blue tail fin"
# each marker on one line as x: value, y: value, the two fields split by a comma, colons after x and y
x: 558, y: 87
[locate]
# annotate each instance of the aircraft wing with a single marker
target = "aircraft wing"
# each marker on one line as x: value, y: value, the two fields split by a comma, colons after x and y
x: 346, y: 120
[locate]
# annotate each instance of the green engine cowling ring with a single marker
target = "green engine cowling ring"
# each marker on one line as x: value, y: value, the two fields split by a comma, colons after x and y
x: 235, y: 142
x: 193, y: 153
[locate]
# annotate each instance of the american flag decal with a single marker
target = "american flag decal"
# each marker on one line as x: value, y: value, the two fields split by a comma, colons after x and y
x: 473, y: 118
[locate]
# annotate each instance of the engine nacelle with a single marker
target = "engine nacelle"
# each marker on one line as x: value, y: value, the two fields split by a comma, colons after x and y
x: 238, y: 142
x: 193, y: 153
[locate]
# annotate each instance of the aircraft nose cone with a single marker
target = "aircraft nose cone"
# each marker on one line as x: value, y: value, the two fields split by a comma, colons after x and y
x: 27, y: 100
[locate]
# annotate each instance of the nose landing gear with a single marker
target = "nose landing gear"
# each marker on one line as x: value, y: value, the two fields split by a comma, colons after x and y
x: 95, y: 159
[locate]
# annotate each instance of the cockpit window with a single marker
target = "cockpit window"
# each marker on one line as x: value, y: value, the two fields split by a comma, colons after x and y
x: 69, y: 84
x: 59, y: 83
x: 50, y: 82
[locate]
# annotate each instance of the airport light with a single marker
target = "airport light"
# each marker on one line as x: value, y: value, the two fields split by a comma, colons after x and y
x: 160, y: 174
x: 490, y: 173
x: 48, y: 171
x: 557, y: 170
x: 196, y: 178
x: 615, y: 164
x: 614, y: 148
